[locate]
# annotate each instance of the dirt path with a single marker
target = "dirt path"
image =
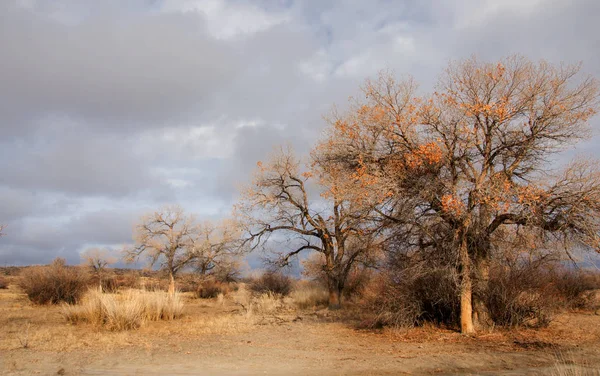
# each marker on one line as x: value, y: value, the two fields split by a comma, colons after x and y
x: 218, y: 339
x: 298, y: 349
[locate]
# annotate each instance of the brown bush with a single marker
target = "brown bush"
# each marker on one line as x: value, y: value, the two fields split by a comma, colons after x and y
x: 272, y: 282
x: 54, y: 283
x: 356, y: 282
x: 10, y: 271
x: 187, y: 286
x: 3, y: 282
x: 188, y: 282
x: 155, y: 284
x: 108, y: 283
x: 127, y: 281
x: 516, y: 295
x: 521, y: 295
x: 211, y: 289
x: 412, y: 298
x: 358, y: 277
x: 577, y: 287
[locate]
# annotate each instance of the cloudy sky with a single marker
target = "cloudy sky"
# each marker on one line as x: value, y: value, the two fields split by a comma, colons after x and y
x: 110, y: 109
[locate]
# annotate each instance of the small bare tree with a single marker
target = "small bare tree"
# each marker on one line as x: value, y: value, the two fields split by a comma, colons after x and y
x: 216, y: 249
x: 97, y: 259
x: 167, y: 238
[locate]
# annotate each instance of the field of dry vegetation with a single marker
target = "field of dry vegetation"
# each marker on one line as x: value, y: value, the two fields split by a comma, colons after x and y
x: 270, y: 325
x: 434, y: 237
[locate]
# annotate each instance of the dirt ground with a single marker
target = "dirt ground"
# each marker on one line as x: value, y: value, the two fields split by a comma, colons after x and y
x: 216, y: 338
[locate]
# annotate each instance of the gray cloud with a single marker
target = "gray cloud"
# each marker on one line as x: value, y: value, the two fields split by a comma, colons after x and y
x: 110, y: 109
x: 116, y: 72
x: 78, y: 163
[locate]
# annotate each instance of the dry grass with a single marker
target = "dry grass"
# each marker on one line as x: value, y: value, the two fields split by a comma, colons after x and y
x: 124, y: 311
x: 220, y: 331
x: 257, y: 305
x: 309, y: 295
x: 568, y: 365
x: 3, y: 282
x: 267, y: 303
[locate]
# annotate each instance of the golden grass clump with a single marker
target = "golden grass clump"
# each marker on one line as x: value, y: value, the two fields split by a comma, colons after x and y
x: 309, y: 295
x: 124, y: 311
x: 267, y: 302
x: 257, y: 304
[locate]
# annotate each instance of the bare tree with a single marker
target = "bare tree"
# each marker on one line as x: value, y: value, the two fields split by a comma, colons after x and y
x: 278, y: 203
x: 470, y: 159
x: 217, y: 248
x: 167, y: 238
x: 97, y: 259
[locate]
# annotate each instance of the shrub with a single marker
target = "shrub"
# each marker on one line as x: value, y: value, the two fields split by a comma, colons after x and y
x: 516, y: 295
x: 188, y: 282
x: 413, y: 298
x: 187, y: 286
x: 356, y: 280
x: 54, y: 283
x: 525, y: 292
x: 576, y: 287
x: 127, y: 281
x: 3, y: 282
x: 521, y: 295
x: 124, y: 312
x: 107, y: 283
x: 272, y: 282
x: 211, y: 289
x: 154, y: 284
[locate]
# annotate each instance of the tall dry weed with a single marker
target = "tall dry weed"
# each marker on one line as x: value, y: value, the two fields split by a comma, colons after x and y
x: 124, y: 311
x: 309, y: 295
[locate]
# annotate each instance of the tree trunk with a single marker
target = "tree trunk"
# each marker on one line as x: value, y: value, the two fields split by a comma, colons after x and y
x: 335, y: 298
x: 466, y: 286
x: 481, y: 314
x: 172, y: 284
x: 335, y: 292
x: 481, y: 251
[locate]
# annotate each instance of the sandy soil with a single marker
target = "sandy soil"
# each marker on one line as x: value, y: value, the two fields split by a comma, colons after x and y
x: 216, y: 339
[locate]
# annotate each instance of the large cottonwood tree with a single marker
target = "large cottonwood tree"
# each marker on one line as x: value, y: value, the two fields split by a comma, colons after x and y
x: 454, y: 167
